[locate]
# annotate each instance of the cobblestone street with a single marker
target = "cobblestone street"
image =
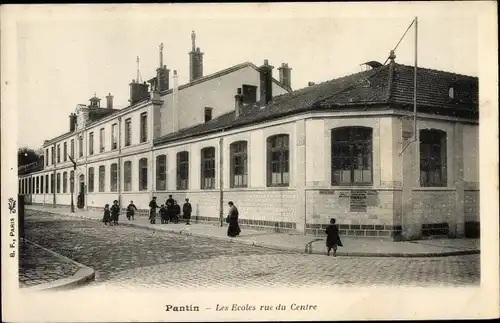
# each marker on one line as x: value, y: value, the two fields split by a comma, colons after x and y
x: 129, y: 257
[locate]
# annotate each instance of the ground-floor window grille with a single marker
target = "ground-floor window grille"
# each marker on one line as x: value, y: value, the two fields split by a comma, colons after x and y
x: 208, y: 168
x: 183, y: 170
x: 114, y: 178
x: 127, y: 176
x: 432, y: 158
x: 161, y: 173
x: 102, y: 178
x: 143, y: 174
x: 239, y: 166
x: 91, y: 180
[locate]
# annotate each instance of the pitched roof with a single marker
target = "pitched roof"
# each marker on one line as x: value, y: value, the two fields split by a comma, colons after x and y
x: 390, y: 84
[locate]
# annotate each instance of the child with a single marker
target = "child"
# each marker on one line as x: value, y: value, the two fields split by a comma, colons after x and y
x: 332, y: 238
x: 107, y: 215
x: 186, y: 210
x: 163, y: 214
x: 115, y: 212
x: 131, y: 208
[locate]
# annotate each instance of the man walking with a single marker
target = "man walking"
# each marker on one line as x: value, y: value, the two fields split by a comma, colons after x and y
x: 186, y: 211
x: 152, y: 210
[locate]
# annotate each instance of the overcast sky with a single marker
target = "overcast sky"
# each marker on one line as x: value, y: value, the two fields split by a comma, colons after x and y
x: 64, y: 59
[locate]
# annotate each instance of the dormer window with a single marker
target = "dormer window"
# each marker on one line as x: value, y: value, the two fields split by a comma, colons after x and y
x: 451, y: 93
x: 249, y: 94
x: 208, y: 114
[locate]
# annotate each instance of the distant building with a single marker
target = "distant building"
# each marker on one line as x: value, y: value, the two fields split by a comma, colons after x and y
x: 289, y: 160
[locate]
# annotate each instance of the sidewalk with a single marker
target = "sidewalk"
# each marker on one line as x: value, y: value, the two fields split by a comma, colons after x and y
x: 42, y: 269
x: 353, y: 246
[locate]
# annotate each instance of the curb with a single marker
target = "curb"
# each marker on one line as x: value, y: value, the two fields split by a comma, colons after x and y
x: 83, y: 276
x: 293, y: 249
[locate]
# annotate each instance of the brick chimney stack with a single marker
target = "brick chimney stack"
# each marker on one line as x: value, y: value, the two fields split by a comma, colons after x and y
x: 266, y: 83
x: 238, y: 104
x: 285, y: 77
x: 109, y: 101
x: 72, y: 122
x: 195, y: 60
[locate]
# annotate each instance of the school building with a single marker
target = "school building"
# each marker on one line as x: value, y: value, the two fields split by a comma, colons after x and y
x: 290, y: 160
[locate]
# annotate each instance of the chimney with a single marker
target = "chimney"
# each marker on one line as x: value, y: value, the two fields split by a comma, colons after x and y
x: 163, y: 75
x: 266, y: 83
x: 109, y: 101
x: 138, y: 92
x: 238, y: 104
x: 285, y: 77
x: 72, y: 122
x: 195, y: 60
x: 175, y: 103
x: 311, y: 83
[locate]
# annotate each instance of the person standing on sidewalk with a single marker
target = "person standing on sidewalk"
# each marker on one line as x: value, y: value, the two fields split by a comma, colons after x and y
x: 152, y: 210
x: 107, y: 215
x: 169, y: 204
x: 115, y: 212
x: 332, y: 238
x: 176, y: 211
x: 233, y: 229
x: 131, y: 208
x: 186, y: 211
x: 163, y: 214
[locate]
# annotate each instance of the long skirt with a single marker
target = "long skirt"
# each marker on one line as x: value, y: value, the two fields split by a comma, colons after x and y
x: 233, y: 229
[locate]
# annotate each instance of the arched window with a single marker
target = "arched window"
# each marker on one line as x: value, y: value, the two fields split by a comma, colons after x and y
x: 58, y: 179
x: 451, y: 93
x: 278, y: 161
x: 113, y: 178
x: 161, y: 173
x: 102, y: 178
x: 208, y: 168
x: 352, y: 156
x: 65, y: 151
x: 183, y: 170
x: 65, y: 182
x: 127, y: 175
x: 432, y: 158
x: 90, y: 189
x: 239, y: 166
x: 143, y: 174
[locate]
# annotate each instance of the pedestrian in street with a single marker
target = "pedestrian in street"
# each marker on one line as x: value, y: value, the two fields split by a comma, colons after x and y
x: 107, y: 215
x: 170, y: 208
x: 131, y: 208
x: 186, y: 212
x: 152, y: 210
x: 176, y: 212
x: 115, y: 212
x: 332, y: 238
x: 163, y: 214
x: 233, y: 229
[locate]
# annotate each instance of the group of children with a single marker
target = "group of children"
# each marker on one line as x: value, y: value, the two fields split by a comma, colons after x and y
x: 170, y: 211
x: 112, y: 215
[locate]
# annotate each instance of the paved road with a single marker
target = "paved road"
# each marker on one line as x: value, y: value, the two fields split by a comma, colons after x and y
x: 130, y: 257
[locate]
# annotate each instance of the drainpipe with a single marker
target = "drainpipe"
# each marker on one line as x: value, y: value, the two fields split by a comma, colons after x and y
x: 119, y: 164
x: 221, y: 180
x: 54, y: 184
x: 86, y: 179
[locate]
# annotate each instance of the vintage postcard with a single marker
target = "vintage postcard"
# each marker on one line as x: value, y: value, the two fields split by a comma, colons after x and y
x: 243, y: 162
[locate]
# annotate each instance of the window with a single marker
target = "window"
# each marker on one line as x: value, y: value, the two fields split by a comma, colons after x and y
x: 143, y: 174
x: 58, y: 153
x: 183, y: 170
x: 161, y: 173
x: 52, y: 183
x: 238, y: 164
x: 433, y: 158
x: 37, y: 185
x: 80, y: 146
x: 72, y: 181
x: 451, y: 93
x: 208, y: 168
x: 52, y: 156
x: 91, y: 180
x: 46, y: 184
x: 58, y: 178
x: 114, y: 135
x: 128, y: 132
x: 144, y: 127
x: 65, y: 151
x: 101, y: 140
x: 47, y: 157
x: 351, y: 156
x: 91, y: 143
x: 41, y: 185
x: 113, y: 178
x: 278, y: 168
x: 65, y: 182
x: 33, y: 185
x: 72, y: 148
x: 102, y: 176
x: 249, y: 94
x: 208, y: 114
x: 127, y: 175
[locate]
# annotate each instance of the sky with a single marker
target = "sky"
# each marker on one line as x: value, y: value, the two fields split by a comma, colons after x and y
x: 62, y: 60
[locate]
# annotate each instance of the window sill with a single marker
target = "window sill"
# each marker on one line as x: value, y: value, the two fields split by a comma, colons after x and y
x: 434, y: 188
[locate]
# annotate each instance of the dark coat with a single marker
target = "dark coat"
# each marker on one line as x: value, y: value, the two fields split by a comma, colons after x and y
x: 187, y: 209
x: 332, y: 236
x: 153, y: 206
x: 176, y: 209
x: 107, y: 216
x: 234, y: 228
x: 131, y: 208
x: 115, y: 212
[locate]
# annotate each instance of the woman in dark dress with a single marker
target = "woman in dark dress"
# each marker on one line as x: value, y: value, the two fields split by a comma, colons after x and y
x: 107, y: 215
x: 115, y: 212
x: 233, y: 229
x: 332, y: 238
